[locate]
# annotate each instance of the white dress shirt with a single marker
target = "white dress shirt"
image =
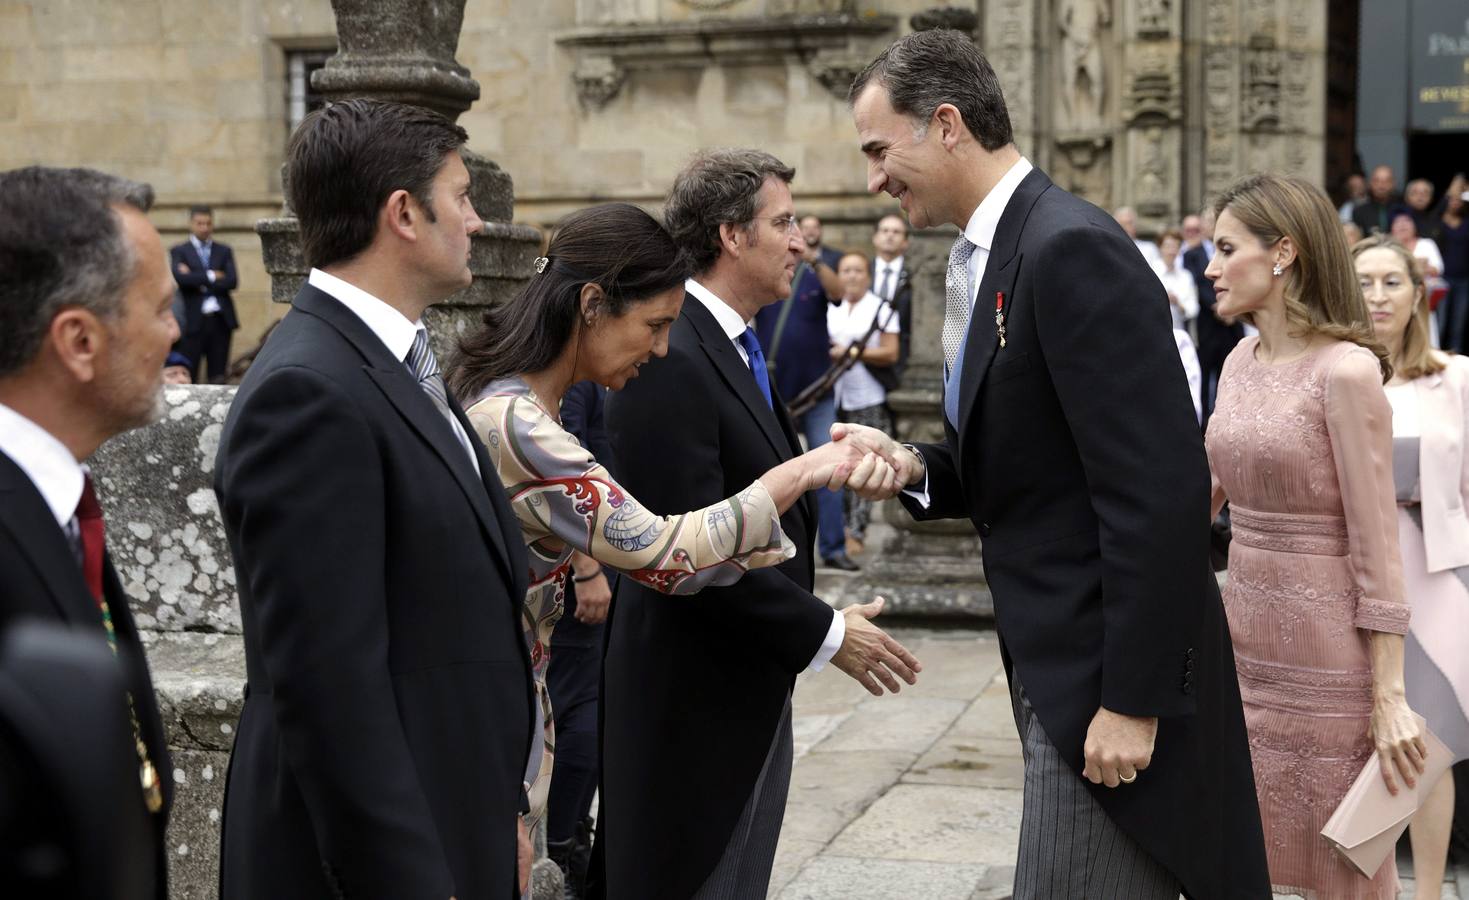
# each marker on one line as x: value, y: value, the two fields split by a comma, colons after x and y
x: 892, y: 270
x: 390, y: 326
x: 210, y: 306
x: 733, y: 326
x: 847, y: 323
x: 981, y: 233
x: 46, y: 462
x: 1188, y: 354
x: 1149, y: 250
x: 1180, y: 283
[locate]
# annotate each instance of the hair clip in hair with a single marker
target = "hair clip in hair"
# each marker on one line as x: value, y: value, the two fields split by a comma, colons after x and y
x: 541, y: 263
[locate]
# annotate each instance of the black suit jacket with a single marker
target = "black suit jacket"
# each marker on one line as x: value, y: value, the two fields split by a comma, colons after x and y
x: 195, y: 286
x: 695, y: 686
x: 1216, y: 338
x: 40, y: 580
x: 1079, y: 460
x: 387, y: 720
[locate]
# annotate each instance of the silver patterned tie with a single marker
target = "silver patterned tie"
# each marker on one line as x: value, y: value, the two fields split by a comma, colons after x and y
x: 959, y: 300
x: 425, y: 369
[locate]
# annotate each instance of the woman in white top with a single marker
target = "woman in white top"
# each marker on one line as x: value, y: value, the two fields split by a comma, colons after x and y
x: 1183, y: 294
x: 1405, y: 231
x: 1429, y: 393
x: 861, y: 395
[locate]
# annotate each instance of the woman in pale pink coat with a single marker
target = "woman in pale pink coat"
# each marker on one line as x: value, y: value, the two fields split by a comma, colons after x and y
x: 1429, y: 393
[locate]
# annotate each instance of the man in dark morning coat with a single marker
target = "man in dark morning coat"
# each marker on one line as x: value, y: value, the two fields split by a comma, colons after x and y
x: 387, y: 721
x: 205, y: 272
x: 85, y: 325
x: 696, y: 703
x: 1073, y: 448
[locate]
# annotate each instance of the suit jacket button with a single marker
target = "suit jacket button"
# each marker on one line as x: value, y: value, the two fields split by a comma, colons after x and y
x: 1189, y: 654
x: 984, y: 529
x: 1188, y: 688
x: 1188, y: 666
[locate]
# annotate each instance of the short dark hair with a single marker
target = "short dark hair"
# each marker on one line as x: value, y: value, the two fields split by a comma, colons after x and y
x: 717, y: 187
x: 200, y: 210
x: 344, y: 161
x: 925, y: 69
x: 883, y: 218
x: 616, y: 246
x: 61, y: 245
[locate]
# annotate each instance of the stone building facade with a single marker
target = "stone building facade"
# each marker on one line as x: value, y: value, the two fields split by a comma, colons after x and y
x: 1154, y: 103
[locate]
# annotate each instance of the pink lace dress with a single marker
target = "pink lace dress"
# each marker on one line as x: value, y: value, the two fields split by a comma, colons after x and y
x: 1303, y: 452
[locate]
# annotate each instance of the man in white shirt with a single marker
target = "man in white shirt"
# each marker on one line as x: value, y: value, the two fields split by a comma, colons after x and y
x: 1126, y: 216
x: 388, y: 718
x: 890, y: 279
x: 85, y: 324
x: 1071, y: 445
x: 697, y: 719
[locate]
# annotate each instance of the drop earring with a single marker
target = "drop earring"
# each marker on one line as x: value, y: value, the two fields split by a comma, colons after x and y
x: 1277, y: 271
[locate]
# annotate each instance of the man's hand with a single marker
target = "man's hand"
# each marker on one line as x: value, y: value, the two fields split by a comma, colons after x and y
x: 869, y: 655
x: 524, y: 853
x: 907, y: 466
x: 1117, y: 747
x: 218, y: 274
x: 183, y: 269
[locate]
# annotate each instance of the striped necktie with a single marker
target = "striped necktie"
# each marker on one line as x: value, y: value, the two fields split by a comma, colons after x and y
x: 425, y: 369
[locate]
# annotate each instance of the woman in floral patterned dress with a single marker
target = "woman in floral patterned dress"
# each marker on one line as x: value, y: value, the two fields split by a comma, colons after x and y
x: 599, y: 306
x: 1301, y: 445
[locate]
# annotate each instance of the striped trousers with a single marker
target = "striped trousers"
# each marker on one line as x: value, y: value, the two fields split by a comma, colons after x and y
x: 743, y: 872
x: 1069, y: 848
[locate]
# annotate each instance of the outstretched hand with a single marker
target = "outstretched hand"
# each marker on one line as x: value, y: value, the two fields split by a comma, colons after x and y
x: 870, y: 656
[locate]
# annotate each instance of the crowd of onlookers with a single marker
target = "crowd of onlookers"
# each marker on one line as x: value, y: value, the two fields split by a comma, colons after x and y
x: 1427, y: 223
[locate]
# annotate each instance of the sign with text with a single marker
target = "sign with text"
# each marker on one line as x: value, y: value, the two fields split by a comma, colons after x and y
x: 1440, y: 66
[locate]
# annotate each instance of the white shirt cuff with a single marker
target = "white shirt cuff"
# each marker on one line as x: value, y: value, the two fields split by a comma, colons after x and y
x: 834, y: 637
x: 919, y: 493
x: 209, y: 273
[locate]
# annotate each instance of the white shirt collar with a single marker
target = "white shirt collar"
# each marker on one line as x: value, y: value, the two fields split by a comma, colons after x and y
x: 198, y: 244
x: 982, y: 225
x: 724, y: 314
x: 47, y: 463
x: 390, y: 326
x: 896, y: 264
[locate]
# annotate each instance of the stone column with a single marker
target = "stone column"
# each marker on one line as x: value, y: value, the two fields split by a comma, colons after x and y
x: 926, y: 569
x: 403, y: 50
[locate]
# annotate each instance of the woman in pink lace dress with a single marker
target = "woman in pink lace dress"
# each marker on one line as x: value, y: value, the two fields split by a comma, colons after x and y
x: 1301, y: 445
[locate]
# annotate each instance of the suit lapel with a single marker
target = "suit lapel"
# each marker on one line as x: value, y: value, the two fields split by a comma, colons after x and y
x: 395, y: 381
x: 25, y: 515
x: 999, y: 276
x: 735, y: 372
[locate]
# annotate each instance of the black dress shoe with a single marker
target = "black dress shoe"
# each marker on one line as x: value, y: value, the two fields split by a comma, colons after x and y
x: 840, y: 561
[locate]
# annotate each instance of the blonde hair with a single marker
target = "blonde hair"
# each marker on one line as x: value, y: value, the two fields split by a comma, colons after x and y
x: 1416, y: 358
x: 1322, y: 296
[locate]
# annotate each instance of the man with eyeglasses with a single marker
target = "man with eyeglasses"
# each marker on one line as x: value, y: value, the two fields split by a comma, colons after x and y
x: 697, y: 743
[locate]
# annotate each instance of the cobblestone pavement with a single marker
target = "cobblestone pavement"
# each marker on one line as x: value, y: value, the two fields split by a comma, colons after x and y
x: 913, y: 796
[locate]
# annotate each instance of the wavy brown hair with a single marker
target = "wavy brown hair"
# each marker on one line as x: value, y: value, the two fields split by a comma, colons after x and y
x: 1322, y: 295
x: 1416, y: 358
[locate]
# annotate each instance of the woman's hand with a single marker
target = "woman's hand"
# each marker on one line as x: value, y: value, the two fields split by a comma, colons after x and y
x: 593, y: 596
x: 837, y: 352
x: 1398, y: 738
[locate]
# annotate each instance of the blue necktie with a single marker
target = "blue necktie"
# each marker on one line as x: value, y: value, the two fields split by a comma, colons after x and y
x: 751, y: 343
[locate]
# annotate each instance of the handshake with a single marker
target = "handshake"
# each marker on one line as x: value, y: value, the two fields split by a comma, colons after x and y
x: 864, y: 461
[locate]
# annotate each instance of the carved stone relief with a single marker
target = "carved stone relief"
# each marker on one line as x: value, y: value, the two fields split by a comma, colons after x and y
x: 597, y: 80
x: 1009, y: 42
x: 1085, y: 26
x: 1154, y: 18
x: 1260, y: 106
x: 1083, y: 166
x: 1153, y: 83
x: 1153, y: 172
x: 1221, y: 90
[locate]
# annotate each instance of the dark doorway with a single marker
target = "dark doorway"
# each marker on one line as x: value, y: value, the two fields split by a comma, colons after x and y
x: 1343, y: 26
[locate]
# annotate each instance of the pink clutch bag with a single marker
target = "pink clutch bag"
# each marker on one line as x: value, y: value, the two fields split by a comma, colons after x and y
x: 1366, y: 826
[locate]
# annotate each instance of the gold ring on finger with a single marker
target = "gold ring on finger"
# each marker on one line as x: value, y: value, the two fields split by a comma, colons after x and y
x: 1126, y: 780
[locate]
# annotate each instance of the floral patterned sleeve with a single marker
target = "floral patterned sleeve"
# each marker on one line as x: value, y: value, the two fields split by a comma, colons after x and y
x: 562, y: 495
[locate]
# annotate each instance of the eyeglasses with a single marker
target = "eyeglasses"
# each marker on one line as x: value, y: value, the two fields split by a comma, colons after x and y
x: 785, y: 224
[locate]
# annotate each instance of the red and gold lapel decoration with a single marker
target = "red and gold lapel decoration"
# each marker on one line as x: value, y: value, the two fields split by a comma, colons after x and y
x: 1000, y: 315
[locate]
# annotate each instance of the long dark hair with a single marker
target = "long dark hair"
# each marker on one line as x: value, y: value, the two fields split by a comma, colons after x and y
x: 616, y: 246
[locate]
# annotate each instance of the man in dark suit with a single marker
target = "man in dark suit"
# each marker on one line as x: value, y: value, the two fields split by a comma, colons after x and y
x: 205, y: 271
x: 1216, y: 336
x: 1073, y: 448
x: 892, y: 281
x: 697, y: 742
x: 387, y: 724
x: 85, y: 324
x: 1374, y: 215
